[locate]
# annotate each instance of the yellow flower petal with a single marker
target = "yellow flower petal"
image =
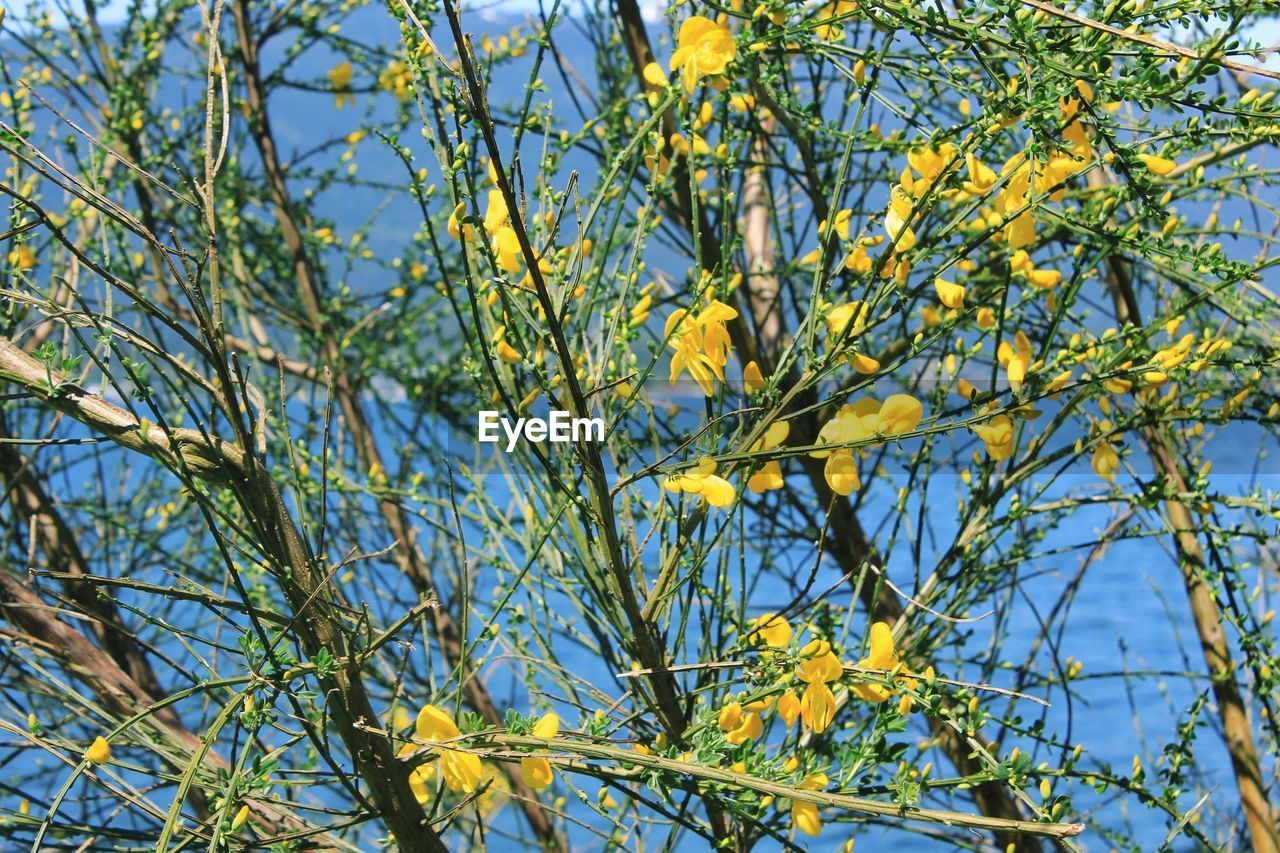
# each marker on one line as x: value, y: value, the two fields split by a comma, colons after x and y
x: 434, y: 724
x: 883, y: 655
x: 864, y: 364
x: 718, y: 491
x: 774, y: 630
x: 950, y: 294
x: 804, y: 817
x: 841, y: 473
x: 508, y: 353
x: 900, y: 413
x: 789, y: 707
x: 817, y: 706
x: 1157, y: 165
x: 536, y: 772
x: 547, y: 727
x: 99, y: 752
x: 654, y: 75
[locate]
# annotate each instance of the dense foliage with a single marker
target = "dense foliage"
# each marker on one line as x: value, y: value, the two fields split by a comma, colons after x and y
x: 935, y: 345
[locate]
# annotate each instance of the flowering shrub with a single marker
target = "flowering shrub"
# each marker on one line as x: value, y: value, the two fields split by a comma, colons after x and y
x: 935, y: 353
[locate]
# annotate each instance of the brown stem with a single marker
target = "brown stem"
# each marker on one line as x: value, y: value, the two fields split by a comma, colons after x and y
x: 407, y: 553
x: 40, y: 628
x: 316, y: 620
x: 642, y: 641
x: 762, y: 284
x: 36, y: 509
x: 851, y: 545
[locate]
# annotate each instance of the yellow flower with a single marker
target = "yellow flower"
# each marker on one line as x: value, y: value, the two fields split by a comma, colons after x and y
x: 860, y: 422
x: 896, y: 219
x: 703, y: 49
x: 508, y: 353
x: 804, y: 817
x: 1117, y: 386
x: 434, y: 724
x: 397, y: 79
x: 817, y: 706
x: 950, y: 294
x: 770, y: 476
x: 497, y: 223
x: 99, y: 752
x: 547, y: 727
x: 981, y: 178
x: 858, y: 260
x: 640, y: 311
x: 900, y: 413
x: 834, y: 11
x: 456, y: 229
x: 1105, y: 461
x: 1044, y: 279
x: 23, y: 258
x: 1015, y: 359
x: 773, y: 630
x: 1157, y: 165
x: 882, y: 656
x: 1172, y: 356
x: 841, y: 473
x: 749, y: 729
x: 847, y: 319
x: 773, y: 436
x: 739, y: 727
x: 864, y: 364
x: 853, y: 423
x: 462, y: 770
x: 767, y: 478
x: 752, y: 378
x: 654, y: 76
x: 241, y: 818
x: 536, y: 772
x: 929, y: 161
x: 815, y: 782
x: 997, y: 435
x: 506, y: 247
x: 789, y: 707
x: 496, y: 214
x: 340, y: 78
x: 703, y: 482
x: 820, y: 663
x: 1021, y: 231
x: 701, y: 344
x: 421, y: 779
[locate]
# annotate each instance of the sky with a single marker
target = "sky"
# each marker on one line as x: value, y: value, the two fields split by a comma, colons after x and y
x: 1266, y: 32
